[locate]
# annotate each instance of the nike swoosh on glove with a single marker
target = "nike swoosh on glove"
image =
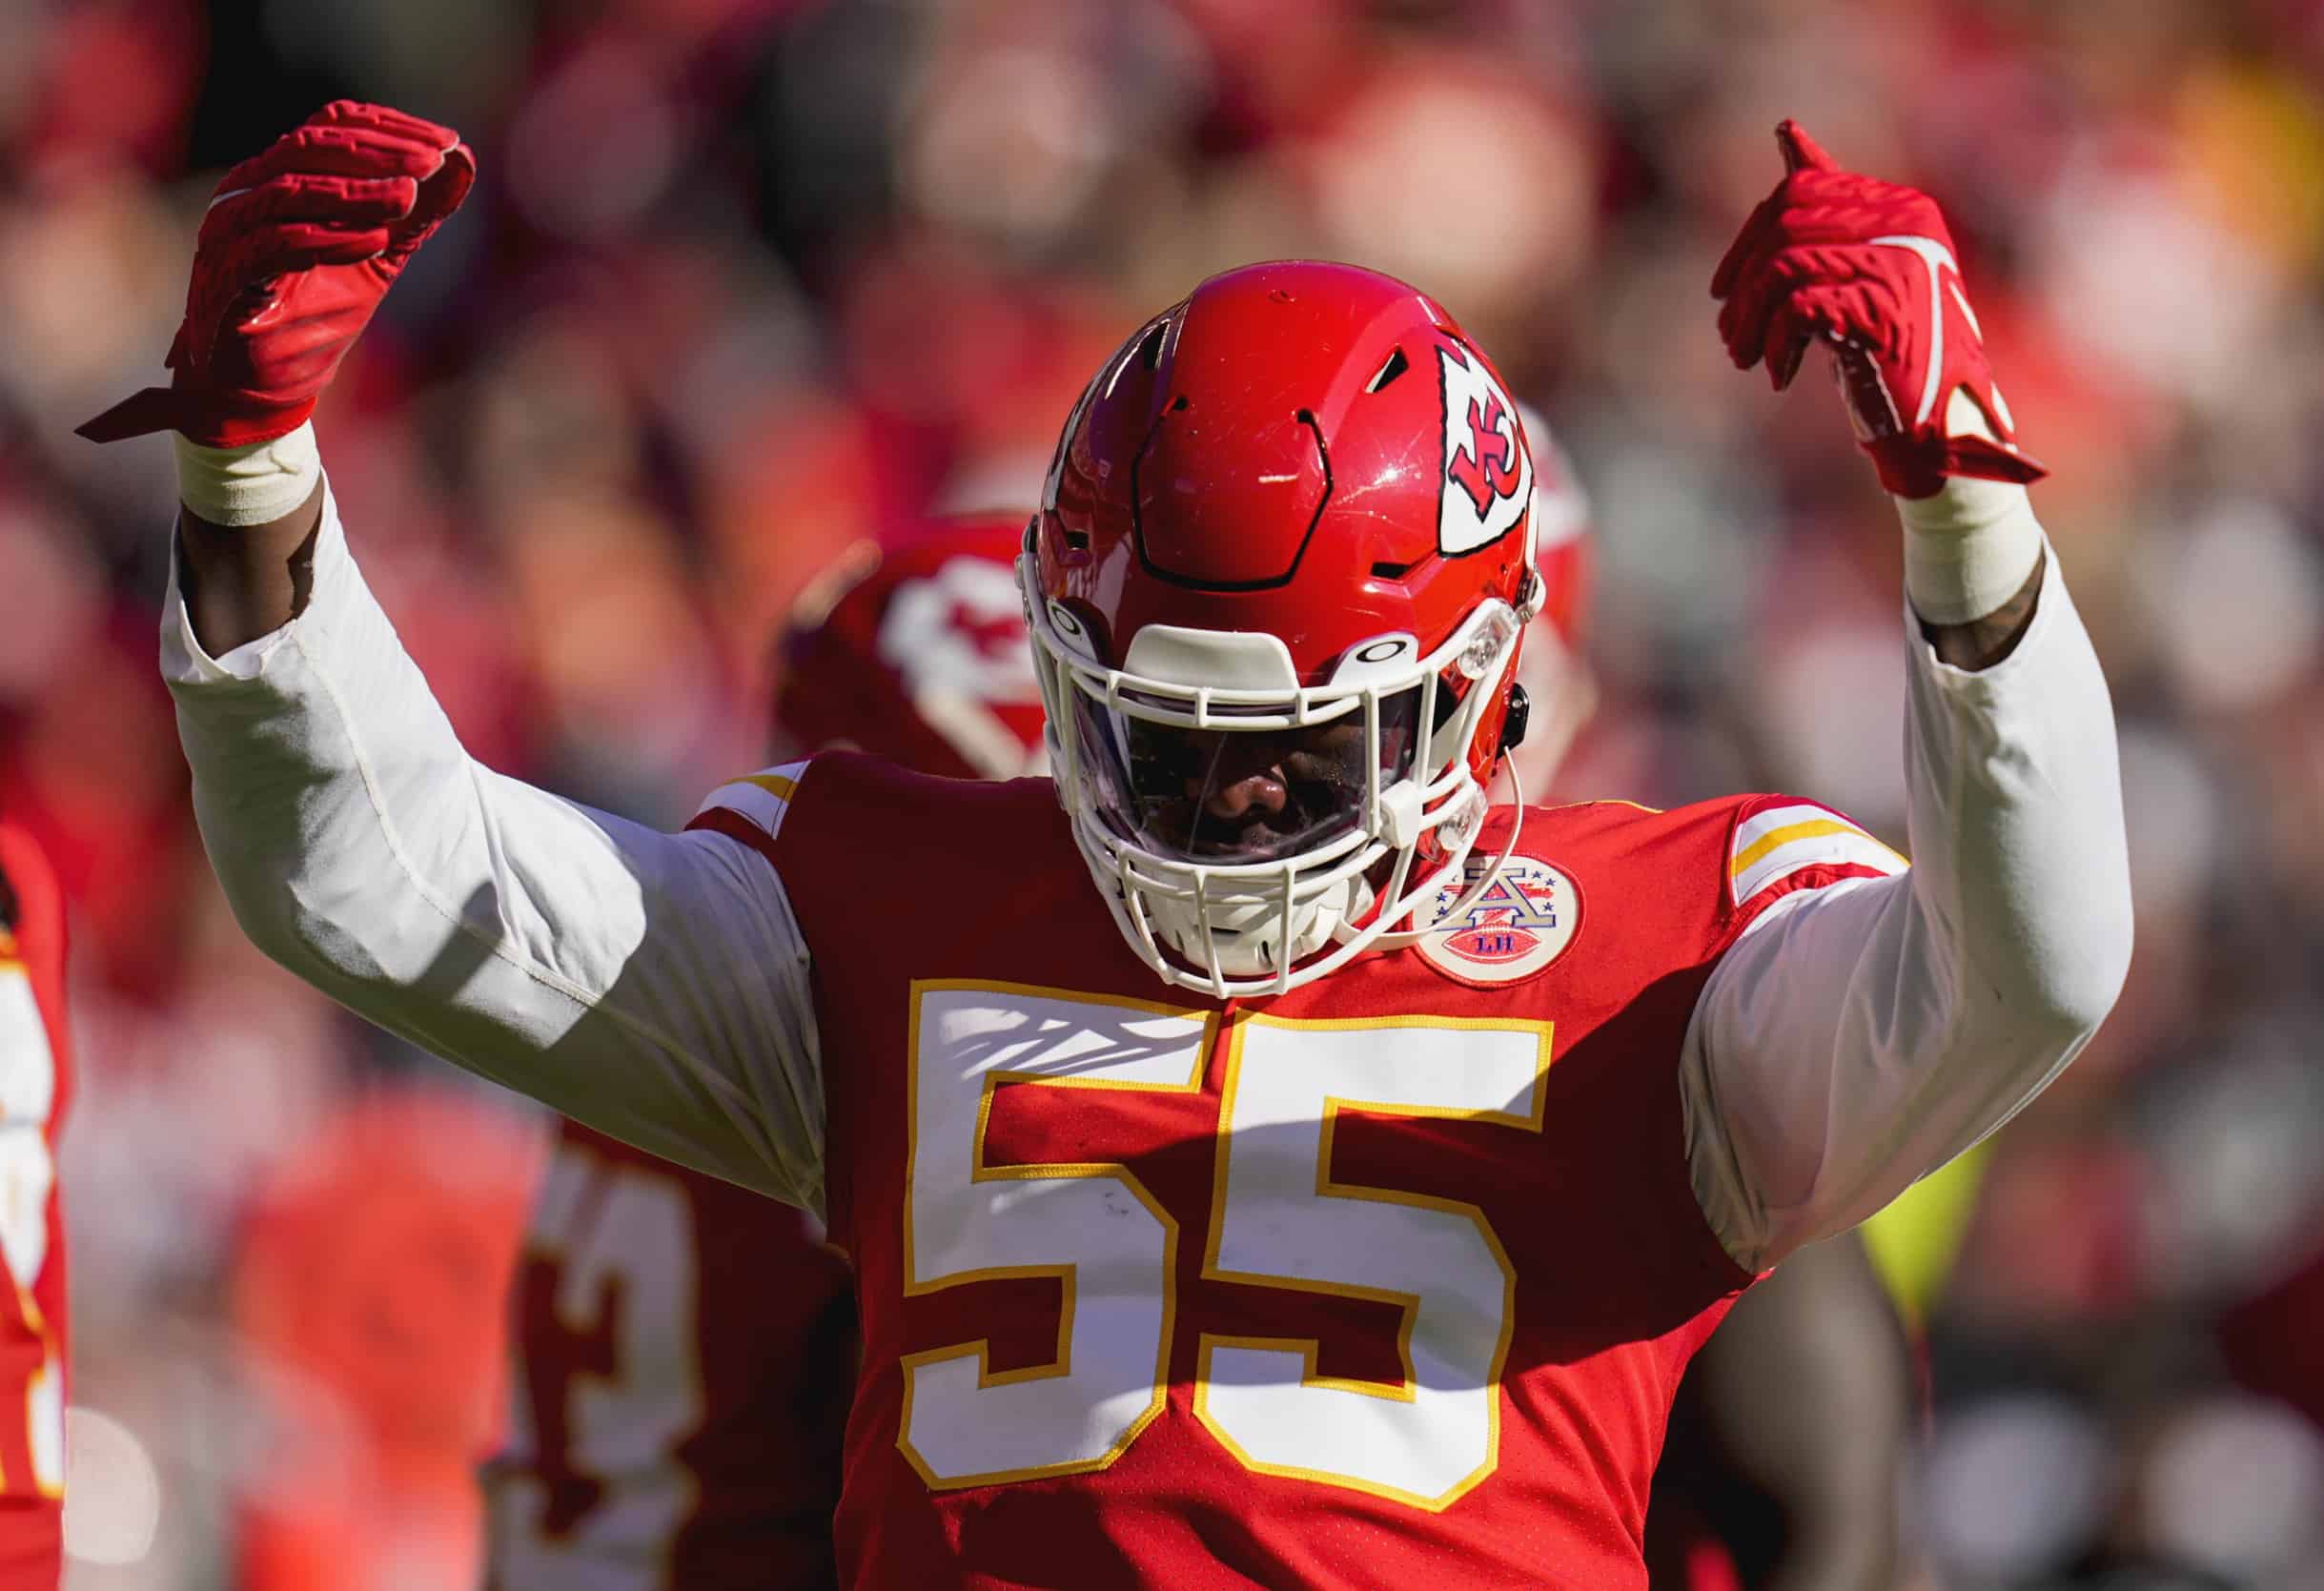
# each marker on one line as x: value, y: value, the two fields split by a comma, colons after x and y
x: 1869, y: 269
x: 298, y: 247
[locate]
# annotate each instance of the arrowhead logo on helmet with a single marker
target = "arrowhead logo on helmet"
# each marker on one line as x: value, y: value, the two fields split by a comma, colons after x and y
x: 1276, y: 630
x: 1488, y: 473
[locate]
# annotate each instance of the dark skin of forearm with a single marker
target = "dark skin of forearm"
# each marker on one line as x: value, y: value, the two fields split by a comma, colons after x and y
x: 1983, y: 643
x: 244, y: 582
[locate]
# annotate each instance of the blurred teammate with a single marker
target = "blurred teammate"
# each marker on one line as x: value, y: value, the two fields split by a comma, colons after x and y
x: 1785, y: 1452
x: 684, y: 1346
x: 1228, y: 1204
x: 35, y: 1087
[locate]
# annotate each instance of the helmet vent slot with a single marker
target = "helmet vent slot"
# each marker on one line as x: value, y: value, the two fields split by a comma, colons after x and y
x: 1396, y: 365
x: 1390, y: 571
x: 1150, y: 349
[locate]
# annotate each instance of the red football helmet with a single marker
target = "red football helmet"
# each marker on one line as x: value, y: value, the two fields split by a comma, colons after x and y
x: 913, y: 648
x: 1278, y: 584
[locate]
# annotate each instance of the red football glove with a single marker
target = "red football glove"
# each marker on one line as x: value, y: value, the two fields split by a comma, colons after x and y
x: 1868, y: 268
x: 300, y: 246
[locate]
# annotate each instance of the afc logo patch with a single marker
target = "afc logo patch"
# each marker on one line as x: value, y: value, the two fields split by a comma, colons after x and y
x: 1522, y: 922
x: 1487, y: 482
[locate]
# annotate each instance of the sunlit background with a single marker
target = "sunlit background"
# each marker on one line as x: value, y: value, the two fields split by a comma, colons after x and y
x: 745, y: 280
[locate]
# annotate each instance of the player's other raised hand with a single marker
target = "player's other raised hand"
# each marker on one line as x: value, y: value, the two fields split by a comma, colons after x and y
x: 299, y: 245
x: 1869, y: 269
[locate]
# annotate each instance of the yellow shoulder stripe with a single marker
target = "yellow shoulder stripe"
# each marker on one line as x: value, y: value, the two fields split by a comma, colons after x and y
x: 1776, y: 842
x: 759, y: 799
x: 1774, y: 839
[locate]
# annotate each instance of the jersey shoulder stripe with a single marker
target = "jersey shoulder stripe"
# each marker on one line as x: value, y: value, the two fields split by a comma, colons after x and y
x: 1776, y: 842
x: 759, y: 799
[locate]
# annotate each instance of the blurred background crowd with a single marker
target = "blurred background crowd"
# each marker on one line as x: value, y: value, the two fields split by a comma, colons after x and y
x: 746, y: 281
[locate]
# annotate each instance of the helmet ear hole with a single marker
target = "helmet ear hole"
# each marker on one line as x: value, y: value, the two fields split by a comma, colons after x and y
x: 1519, y: 716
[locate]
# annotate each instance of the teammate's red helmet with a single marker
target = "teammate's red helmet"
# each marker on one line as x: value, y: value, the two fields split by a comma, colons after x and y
x: 913, y: 648
x: 1289, y: 526
x: 1561, y: 539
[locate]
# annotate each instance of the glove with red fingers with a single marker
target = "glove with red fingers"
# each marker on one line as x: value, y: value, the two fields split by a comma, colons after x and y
x: 299, y: 245
x: 1868, y: 268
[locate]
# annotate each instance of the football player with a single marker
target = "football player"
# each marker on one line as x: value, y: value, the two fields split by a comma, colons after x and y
x: 1216, y: 1218
x: 683, y: 1346
x: 36, y: 1085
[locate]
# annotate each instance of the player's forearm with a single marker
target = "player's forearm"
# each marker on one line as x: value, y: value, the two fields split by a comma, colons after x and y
x: 1984, y: 641
x: 246, y: 539
x: 241, y: 584
x: 2014, y: 790
x: 559, y: 952
x: 1870, y: 1032
x: 1973, y: 561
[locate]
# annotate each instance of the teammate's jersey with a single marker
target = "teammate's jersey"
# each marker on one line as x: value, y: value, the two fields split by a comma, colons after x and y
x: 1386, y: 1277
x: 682, y: 1352
x: 36, y: 1085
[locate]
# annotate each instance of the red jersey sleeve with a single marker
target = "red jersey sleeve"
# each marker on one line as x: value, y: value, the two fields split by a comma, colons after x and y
x: 1779, y: 844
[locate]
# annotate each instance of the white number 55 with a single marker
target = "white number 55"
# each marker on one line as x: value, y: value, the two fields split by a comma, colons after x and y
x: 1279, y: 1219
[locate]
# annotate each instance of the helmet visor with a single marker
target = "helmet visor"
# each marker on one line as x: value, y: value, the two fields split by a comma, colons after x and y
x: 1236, y: 796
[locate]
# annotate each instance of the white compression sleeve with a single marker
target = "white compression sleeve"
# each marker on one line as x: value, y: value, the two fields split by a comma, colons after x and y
x: 653, y: 986
x: 1860, y: 1035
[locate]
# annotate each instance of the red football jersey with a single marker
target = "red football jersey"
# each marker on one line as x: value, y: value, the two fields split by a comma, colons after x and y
x: 1387, y: 1281
x: 684, y: 1350
x: 36, y: 1085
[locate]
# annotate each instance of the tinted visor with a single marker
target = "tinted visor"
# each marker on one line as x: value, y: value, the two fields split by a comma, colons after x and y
x: 1228, y: 796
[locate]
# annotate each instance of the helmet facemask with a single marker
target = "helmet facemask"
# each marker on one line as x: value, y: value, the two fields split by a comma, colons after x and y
x: 1371, y: 786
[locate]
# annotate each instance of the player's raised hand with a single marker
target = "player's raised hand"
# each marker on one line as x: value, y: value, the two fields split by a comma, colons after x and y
x: 299, y: 245
x: 1868, y: 268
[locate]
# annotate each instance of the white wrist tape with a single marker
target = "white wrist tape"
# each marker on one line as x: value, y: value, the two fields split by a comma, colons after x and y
x: 1967, y: 549
x: 248, y: 485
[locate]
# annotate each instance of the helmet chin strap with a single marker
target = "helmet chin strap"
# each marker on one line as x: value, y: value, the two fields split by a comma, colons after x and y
x: 1476, y: 891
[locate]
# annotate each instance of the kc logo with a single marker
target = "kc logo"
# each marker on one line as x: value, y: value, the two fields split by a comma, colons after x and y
x: 1488, y: 475
x: 1488, y: 470
x: 1522, y: 922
